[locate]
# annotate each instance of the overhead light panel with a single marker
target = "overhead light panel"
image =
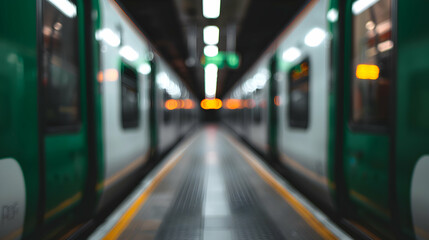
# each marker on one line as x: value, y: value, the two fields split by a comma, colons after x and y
x: 211, y: 51
x: 210, y: 80
x: 128, y: 53
x: 145, y: 68
x: 332, y: 15
x: 211, y: 35
x: 211, y: 8
x: 66, y: 7
x: 108, y: 36
x: 291, y: 54
x: 315, y: 37
x: 360, y: 6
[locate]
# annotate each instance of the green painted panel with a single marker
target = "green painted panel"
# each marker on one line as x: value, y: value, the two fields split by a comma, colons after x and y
x: 412, y: 127
x: 366, y: 155
x: 66, y: 159
x: 18, y: 97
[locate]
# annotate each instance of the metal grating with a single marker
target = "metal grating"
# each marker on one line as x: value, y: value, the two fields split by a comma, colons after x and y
x: 184, y: 220
x: 249, y: 218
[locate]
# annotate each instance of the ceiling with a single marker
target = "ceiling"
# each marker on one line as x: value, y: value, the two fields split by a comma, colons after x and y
x: 175, y: 29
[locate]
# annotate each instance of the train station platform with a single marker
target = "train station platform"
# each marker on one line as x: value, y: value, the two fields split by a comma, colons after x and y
x: 213, y: 187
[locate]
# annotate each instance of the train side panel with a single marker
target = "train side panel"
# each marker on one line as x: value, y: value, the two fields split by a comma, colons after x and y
x: 412, y: 114
x: 19, y: 121
x: 125, y: 102
x: 302, y: 113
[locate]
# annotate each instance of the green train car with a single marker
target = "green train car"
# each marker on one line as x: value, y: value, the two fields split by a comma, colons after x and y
x: 82, y: 113
x: 340, y: 100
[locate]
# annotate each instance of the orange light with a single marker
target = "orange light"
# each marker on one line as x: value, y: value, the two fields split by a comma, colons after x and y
x: 181, y: 104
x: 211, y: 104
x: 277, y: 100
x: 233, y: 104
x: 171, y: 104
x: 100, y: 76
x: 189, y: 104
x: 365, y: 71
x: 110, y: 75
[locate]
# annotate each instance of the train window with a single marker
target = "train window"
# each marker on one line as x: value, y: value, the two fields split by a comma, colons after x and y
x: 299, y: 82
x: 129, y: 97
x: 372, y: 63
x: 60, y: 71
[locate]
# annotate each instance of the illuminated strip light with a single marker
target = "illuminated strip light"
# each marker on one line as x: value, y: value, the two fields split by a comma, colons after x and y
x: 367, y: 72
x: 66, y: 7
x: 207, y: 104
x: 210, y: 80
x: 211, y: 51
x: 315, y: 37
x: 332, y: 15
x: 291, y: 54
x: 211, y: 8
x: 128, y: 53
x: 145, y: 68
x: 360, y: 6
x: 211, y: 35
x: 108, y: 36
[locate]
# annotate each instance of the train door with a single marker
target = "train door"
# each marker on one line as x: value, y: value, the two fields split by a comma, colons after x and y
x: 63, y: 113
x: 367, y: 125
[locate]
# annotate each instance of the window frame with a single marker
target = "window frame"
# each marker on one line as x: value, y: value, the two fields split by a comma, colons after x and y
x: 368, y: 127
x: 135, y: 123
x: 62, y: 128
x: 295, y: 124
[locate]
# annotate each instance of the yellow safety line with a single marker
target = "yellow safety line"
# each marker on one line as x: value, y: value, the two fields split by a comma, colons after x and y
x: 311, y: 220
x: 13, y: 235
x: 125, y: 171
x: 304, y: 170
x: 63, y: 205
x: 126, y: 218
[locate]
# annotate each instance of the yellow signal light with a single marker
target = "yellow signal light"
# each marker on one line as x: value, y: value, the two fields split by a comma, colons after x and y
x: 366, y: 71
x: 211, y: 104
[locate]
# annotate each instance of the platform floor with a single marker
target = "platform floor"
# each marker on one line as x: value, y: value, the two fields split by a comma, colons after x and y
x: 213, y: 187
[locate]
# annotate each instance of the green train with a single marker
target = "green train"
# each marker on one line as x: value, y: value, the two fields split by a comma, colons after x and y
x: 83, y: 113
x: 339, y: 103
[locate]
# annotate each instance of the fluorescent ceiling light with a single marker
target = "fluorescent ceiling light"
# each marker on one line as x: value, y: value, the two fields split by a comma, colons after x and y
x: 332, y: 15
x: 291, y: 54
x: 108, y: 36
x: 145, y: 68
x: 66, y: 7
x: 211, y: 8
x: 315, y: 37
x: 361, y: 5
x: 211, y: 51
x: 211, y: 35
x: 162, y: 80
x: 210, y: 79
x: 128, y: 53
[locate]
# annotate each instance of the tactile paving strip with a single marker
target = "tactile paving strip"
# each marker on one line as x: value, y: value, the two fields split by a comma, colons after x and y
x: 184, y: 219
x: 249, y: 219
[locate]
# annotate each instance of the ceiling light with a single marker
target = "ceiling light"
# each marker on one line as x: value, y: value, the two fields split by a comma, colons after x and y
x: 145, y: 68
x: 315, y: 37
x: 128, y: 53
x: 210, y: 79
x: 211, y: 8
x: 66, y: 7
x: 108, y: 36
x: 211, y: 51
x: 332, y: 15
x: 211, y: 35
x: 361, y: 5
x: 291, y: 54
